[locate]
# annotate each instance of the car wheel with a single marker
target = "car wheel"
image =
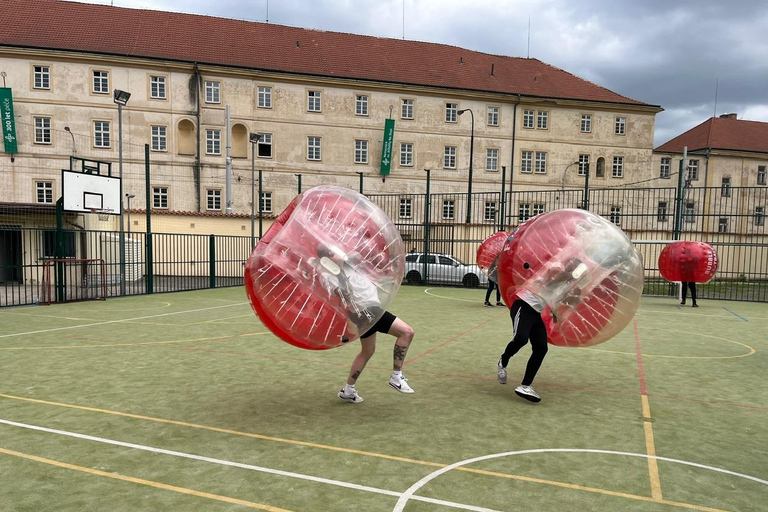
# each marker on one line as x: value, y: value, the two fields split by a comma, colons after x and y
x: 471, y: 281
x: 413, y: 277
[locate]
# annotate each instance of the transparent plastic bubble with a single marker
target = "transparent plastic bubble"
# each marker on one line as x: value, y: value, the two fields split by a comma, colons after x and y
x: 582, y: 267
x: 694, y: 262
x: 488, y: 252
x: 326, y: 270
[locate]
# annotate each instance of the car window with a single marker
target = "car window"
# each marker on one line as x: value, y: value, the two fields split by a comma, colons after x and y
x: 431, y: 259
x: 445, y: 260
x: 412, y: 258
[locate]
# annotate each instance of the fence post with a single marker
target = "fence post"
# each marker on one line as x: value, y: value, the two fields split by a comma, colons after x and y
x: 502, y: 223
x: 425, y: 252
x: 58, y: 250
x: 212, y: 259
x: 150, y: 271
x: 585, y: 200
x: 679, y: 198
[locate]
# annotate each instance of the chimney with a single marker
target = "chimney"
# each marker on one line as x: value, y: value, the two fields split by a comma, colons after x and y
x: 728, y: 116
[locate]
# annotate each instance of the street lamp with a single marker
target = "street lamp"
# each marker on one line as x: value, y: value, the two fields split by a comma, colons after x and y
x: 121, y: 98
x: 74, y: 149
x: 565, y: 174
x: 254, y: 139
x: 129, y: 197
x: 471, y: 154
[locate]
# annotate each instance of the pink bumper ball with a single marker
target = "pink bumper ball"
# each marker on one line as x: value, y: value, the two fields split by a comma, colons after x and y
x: 582, y: 267
x: 487, y: 253
x: 325, y: 271
x: 688, y: 262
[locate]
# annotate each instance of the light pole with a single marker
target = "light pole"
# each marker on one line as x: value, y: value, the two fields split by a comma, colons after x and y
x: 254, y: 139
x: 121, y: 98
x: 471, y: 154
x: 565, y: 173
x: 128, y: 197
x: 74, y: 149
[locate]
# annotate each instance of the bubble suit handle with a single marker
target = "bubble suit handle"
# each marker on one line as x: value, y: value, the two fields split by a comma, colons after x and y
x: 325, y: 271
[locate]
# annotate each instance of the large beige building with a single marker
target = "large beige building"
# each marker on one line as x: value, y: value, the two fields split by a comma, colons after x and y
x: 319, y: 99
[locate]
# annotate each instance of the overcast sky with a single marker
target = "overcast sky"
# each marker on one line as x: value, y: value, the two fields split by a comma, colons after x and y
x: 679, y: 54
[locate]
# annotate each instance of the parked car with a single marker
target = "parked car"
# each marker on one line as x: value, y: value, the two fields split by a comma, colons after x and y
x: 442, y: 268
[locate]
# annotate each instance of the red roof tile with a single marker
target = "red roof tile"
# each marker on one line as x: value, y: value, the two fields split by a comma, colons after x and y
x: 721, y: 133
x: 64, y: 25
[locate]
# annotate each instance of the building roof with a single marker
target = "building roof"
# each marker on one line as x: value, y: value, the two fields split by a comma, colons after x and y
x: 723, y: 133
x: 102, y: 29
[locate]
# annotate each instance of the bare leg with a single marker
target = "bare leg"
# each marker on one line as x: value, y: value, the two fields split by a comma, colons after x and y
x: 368, y: 347
x: 404, y: 334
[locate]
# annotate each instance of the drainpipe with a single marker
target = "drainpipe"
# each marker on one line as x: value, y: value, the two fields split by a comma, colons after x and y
x: 512, y: 161
x: 196, y: 170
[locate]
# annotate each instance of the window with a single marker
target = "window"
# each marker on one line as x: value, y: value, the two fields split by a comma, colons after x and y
x: 264, y: 97
x: 528, y: 118
x: 493, y: 116
x: 101, y: 82
x: 759, y: 215
x: 101, y: 134
x: 621, y: 126
x: 761, y: 174
x: 406, y: 109
x: 451, y: 112
x: 49, y: 244
x: 44, y: 192
x: 600, y: 170
x: 264, y: 146
x: 490, y: 211
x: 661, y: 212
x: 42, y: 77
x: 449, y: 209
x: 526, y: 161
x: 159, y: 138
x: 523, y: 212
x: 212, y: 92
x: 725, y: 188
x: 542, y: 120
x: 690, y: 211
x: 449, y: 157
x: 361, y: 105
x: 160, y: 197
x: 538, y: 208
x: 541, y: 162
x: 42, y: 130
x: 583, y: 165
x: 314, y: 99
x: 405, y: 208
x: 722, y: 225
x: 406, y: 153
x: 586, y: 123
x: 266, y: 202
x: 361, y: 151
x: 616, y: 215
x: 618, y: 167
x: 491, y: 159
x: 213, y: 200
x: 665, y: 169
x: 212, y: 142
x: 157, y: 87
x: 314, y: 148
x: 693, y: 170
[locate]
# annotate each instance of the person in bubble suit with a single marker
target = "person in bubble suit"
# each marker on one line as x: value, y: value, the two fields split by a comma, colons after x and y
x: 359, y: 296
x: 529, y: 326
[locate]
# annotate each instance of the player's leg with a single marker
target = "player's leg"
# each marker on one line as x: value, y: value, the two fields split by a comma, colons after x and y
x: 693, y: 293
x: 538, y: 337
x: 523, y: 316
x: 498, y: 295
x: 685, y: 293
x: 404, y: 334
x: 488, y: 292
x: 367, y: 348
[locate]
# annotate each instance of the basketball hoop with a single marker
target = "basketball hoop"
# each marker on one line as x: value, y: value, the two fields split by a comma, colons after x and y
x: 103, y: 213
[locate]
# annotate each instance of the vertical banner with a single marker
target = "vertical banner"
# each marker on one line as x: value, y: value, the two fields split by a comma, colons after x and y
x: 386, y: 146
x: 6, y: 117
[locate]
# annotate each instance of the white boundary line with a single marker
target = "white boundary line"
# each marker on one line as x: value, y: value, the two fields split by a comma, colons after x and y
x: 118, y: 321
x: 290, y: 474
x: 426, y: 290
x: 408, y: 494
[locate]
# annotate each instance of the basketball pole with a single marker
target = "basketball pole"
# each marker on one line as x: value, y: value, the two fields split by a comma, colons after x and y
x: 120, y: 165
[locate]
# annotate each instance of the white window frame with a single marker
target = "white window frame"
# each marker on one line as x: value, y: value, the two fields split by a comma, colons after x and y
x: 449, y: 209
x: 759, y: 216
x: 44, y: 191
x: 489, y: 212
x: 620, y: 126
x: 212, y: 141
x: 617, y: 169
x: 542, y: 120
x: 722, y: 225
x: 159, y: 138
x: 449, y: 157
x: 451, y: 112
x: 99, y: 81
x: 160, y: 198
x: 314, y: 148
x: 212, y: 91
x: 493, y: 115
x: 693, y: 169
x: 361, y: 151
x: 662, y: 211
x: 539, y: 208
x: 213, y: 195
x: 266, y: 202
x: 761, y: 174
x: 492, y: 159
x: 690, y: 212
x: 583, y: 165
x: 725, y: 186
x: 102, y: 134
x: 528, y: 119
x: 361, y: 105
x: 407, y: 108
x: 41, y: 77
x: 263, y: 96
x: 540, y: 164
x: 586, y: 123
x: 43, y: 133
x: 615, y: 216
x: 264, y: 142
x: 523, y: 212
x: 158, y: 87
x: 526, y: 161
x: 405, y: 211
x: 406, y: 154
x: 314, y: 101
x: 665, y: 168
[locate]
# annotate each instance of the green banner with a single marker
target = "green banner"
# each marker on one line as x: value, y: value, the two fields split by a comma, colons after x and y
x: 386, y: 146
x: 6, y: 117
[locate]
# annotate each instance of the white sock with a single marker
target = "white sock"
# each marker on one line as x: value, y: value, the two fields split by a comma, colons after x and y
x: 348, y: 389
x: 397, y: 375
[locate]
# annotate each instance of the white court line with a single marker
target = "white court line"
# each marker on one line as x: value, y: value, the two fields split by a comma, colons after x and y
x: 118, y: 321
x: 408, y: 494
x: 290, y: 474
x: 448, y: 298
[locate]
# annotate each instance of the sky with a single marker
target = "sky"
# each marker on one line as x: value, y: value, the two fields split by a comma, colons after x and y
x: 694, y: 58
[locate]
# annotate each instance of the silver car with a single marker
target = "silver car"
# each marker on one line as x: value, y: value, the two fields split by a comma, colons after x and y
x: 442, y: 268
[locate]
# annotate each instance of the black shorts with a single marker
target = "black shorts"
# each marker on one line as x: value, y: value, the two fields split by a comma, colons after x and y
x: 383, y: 325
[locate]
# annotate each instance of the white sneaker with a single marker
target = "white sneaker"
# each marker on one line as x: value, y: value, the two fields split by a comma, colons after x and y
x: 352, y: 397
x: 528, y: 393
x: 501, y: 373
x: 400, y: 384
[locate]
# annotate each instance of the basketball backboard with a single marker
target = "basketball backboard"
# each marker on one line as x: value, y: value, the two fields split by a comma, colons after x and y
x: 90, y: 192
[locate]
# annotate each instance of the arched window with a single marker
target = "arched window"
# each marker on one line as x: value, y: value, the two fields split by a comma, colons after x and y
x: 239, y: 141
x: 186, y: 137
x: 600, y: 171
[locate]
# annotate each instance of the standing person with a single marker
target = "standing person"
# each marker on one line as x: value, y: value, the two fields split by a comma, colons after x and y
x: 692, y: 286
x: 491, y: 286
x: 361, y: 298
